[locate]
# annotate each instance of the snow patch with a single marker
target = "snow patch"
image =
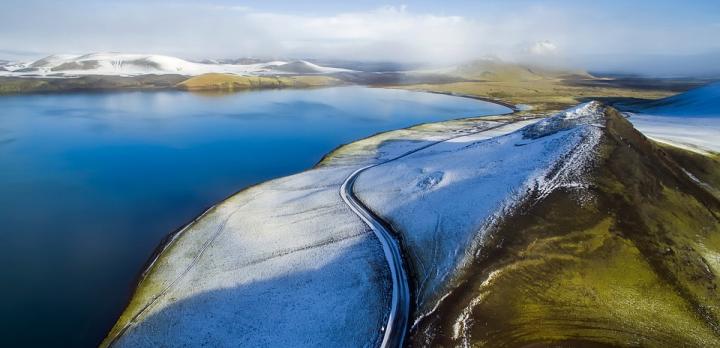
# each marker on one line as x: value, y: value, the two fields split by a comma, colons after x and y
x: 464, y: 322
x: 428, y: 181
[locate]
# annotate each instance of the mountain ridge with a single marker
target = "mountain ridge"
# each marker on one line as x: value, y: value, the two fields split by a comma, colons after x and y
x: 631, y: 258
x: 124, y: 64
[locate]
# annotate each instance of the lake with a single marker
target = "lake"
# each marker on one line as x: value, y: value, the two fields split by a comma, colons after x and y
x: 90, y: 183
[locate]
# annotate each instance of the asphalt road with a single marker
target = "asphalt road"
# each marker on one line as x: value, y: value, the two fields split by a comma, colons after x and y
x: 399, y: 317
x: 397, y: 325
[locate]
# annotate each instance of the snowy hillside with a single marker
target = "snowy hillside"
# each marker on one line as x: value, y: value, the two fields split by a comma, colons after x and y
x: 302, y: 67
x: 690, y: 120
x: 284, y: 263
x: 443, y: 199
x: 142, y: 64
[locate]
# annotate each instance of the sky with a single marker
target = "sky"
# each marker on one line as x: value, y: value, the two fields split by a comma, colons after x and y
x: 661, y: 36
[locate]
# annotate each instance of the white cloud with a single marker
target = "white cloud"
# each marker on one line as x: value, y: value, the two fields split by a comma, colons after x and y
x: 543, y: 48
x: 194, y: 30
x: 387, y: 33
x: 197, y: 30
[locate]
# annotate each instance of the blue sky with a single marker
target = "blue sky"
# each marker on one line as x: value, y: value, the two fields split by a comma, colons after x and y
x: 607, y: 34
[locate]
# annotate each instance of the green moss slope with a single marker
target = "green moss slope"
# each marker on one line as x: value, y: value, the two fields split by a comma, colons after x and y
x: 633, y: 261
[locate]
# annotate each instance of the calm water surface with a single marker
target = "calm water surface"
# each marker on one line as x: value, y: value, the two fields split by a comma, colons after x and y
x: 91, y: 183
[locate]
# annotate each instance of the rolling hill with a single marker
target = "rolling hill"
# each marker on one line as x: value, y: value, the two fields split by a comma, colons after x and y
x: 304, y: 67
x: 229, y: 82
x: 501, y: 71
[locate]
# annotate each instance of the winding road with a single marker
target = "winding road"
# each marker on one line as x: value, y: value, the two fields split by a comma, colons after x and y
x: 397, y: 325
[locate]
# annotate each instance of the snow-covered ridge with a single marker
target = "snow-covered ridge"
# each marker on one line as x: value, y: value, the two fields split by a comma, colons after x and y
x: 122, y: 64
x: 584, y: 114
x: 287, y: 263
x: 445, y: 199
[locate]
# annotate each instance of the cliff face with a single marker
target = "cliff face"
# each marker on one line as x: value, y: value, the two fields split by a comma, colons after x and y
x: 630, y: 259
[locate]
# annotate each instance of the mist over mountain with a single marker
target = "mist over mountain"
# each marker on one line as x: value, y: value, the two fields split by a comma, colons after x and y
x: 696, y: 65
x: 637, y: 37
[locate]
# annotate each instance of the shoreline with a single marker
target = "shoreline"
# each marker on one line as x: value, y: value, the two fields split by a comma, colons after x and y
x: 41, y: 85
x: 509, y: 105
x: 167, y: 241
x: 215, y: 91
x: 173, y: 82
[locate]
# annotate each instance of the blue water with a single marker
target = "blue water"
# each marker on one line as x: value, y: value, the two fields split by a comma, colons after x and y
x: 90, y: 183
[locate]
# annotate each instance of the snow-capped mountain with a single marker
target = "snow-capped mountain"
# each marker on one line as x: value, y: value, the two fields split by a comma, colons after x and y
x: 122, y: 64
x: 304, y: 67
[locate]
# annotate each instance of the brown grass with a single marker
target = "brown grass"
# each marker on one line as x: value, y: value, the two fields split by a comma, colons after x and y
x: 540, y: 94
x: 228, y: 82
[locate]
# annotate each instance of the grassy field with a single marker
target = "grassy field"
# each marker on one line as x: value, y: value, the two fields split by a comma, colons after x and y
x: 207, y: 82
x: 227, y: 82
x: 541, y: 88
x: 548, y: 94
x: 14, y: 85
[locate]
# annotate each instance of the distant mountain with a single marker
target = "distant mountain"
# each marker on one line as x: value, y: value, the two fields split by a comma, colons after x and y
x: 297, y: 67
x: 698, y: 102
x: 304, y: 67
x: 371, y: 66
x: 498, y: 70
x: 52, y: 60
x: 120, y: 64
x: 245, y: 61
x: 125, y: 64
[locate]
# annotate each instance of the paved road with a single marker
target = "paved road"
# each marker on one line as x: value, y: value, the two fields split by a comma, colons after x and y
x: 397, y: 325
